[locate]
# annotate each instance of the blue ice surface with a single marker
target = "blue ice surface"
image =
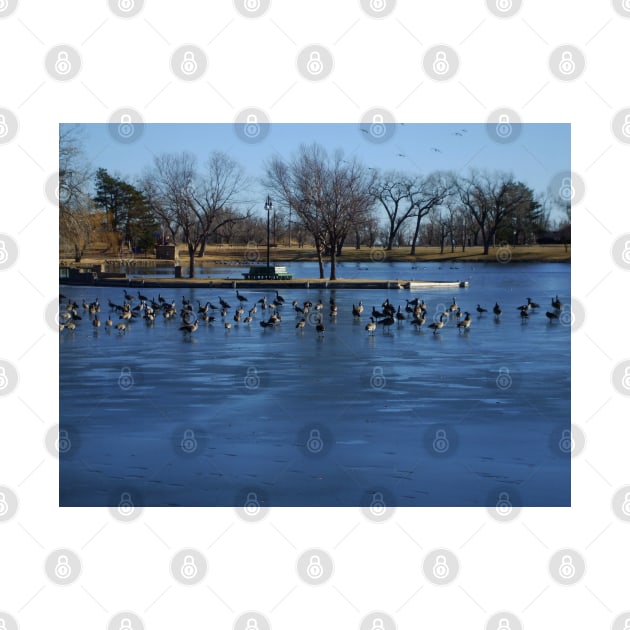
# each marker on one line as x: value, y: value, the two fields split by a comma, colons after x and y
x: 383, y: 407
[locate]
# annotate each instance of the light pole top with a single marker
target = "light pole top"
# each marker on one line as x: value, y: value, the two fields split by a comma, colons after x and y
x: 268, y: 204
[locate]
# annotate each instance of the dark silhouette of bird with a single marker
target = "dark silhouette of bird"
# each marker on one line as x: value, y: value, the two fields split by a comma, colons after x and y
x: 386, y: 322
x: 551, y: 316
x: 497, y: 309
x: 241, y: 298
x: 481, y: 310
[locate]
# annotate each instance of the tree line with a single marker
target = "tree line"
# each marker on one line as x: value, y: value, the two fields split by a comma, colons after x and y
x: 326, y: 199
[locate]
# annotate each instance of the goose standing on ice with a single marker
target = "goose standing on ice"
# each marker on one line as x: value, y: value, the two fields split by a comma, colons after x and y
x: 437, y: 325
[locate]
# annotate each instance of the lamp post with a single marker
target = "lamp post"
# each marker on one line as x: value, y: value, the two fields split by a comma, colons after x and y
x: 268, y: 207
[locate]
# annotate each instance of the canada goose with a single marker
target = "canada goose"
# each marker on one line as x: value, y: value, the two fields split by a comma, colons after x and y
x: 454, y: 306
x: 122, y: 328
x: 70, y: 326
x: 248, y: 319
x: 377, y: 314
x: 108, y: 322
x: 524, y: 314
x: 465, y: 323
x: 129, y: 297
x: 227, y: 326
x: 557, y: 304
x: 532, y: 304
x: 279, y: 298
x: 497, y: 309
x: 437, y: 325
x: 481, y: 310
x: 320, y: 328
x: 265, y: 324
x: 224, y: 304
x: 418, y: 321
x: 371, y: 326
x: 355, y: 311
x: 551, y: 316
x: 319, y: 306
x: 333, y: 310
x: 301, y: 324
x: 241, y: 298
x: 189, y: 328
x: 401, y: 317
x: 203, y: 309
x: 142, y: 298
x: 96, y: 322
x: 387, y: 322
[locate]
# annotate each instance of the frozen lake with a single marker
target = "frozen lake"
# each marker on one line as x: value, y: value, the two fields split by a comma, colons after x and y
x: 296, y: 418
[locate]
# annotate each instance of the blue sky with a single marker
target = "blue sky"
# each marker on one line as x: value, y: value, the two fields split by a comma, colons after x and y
x: 539, y: 153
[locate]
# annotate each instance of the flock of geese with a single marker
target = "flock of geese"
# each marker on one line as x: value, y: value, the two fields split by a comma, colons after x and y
x: 121, y: 316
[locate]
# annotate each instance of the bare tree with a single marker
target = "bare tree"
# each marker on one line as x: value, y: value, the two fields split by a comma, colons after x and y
x: 428, y: 193
x: 492, y: 199
x: 75, y: 206
x: 329, y: 195
x: 395, y: 192
x: 191, y: 204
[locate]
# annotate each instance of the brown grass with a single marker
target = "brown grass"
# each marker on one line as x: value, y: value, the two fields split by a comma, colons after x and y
x: 282, y: 254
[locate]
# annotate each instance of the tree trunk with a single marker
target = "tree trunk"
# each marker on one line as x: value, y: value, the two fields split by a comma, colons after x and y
x: 320, y: 260
x: 202, y: 250
x: 416, y: 232
x: 191, y: 256
x: 333, y: 262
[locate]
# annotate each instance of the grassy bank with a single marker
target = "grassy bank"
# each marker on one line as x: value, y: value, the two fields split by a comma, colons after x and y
x: 238, y: 254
